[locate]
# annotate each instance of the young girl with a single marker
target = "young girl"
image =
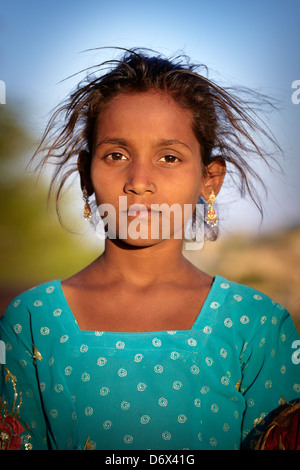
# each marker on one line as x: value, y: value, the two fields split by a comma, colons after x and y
x: 140, y: 349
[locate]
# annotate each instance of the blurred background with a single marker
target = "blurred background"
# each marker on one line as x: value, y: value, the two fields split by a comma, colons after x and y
x: 243, y: 43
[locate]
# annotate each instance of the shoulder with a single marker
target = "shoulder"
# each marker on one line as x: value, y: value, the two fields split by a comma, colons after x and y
x: 31, y: 300
x: 237, y: 296
x: 246, y: 306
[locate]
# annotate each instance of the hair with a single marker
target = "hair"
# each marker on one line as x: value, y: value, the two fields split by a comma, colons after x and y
x: 224, y: 123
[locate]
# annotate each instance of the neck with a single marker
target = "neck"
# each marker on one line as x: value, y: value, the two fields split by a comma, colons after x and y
x: 144, y: 266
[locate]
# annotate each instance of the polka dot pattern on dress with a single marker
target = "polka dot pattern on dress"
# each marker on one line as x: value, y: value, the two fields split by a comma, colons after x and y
x: 193, y: 389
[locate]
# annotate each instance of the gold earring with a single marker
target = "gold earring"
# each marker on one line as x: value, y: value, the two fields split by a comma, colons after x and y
x: 87, y: 213
x: 211, y: 216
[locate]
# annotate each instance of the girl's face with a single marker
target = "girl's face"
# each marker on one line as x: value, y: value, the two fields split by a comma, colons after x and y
x: 145, y: 149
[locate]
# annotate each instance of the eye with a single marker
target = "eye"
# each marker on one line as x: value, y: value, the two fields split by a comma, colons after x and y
x: 169, y: 159
x: 116, y: 157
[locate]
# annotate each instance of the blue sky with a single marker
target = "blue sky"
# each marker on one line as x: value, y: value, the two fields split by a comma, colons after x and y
x: 252, y: 43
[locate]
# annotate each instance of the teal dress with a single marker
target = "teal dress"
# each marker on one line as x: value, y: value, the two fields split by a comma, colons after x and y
x: 203, y: 388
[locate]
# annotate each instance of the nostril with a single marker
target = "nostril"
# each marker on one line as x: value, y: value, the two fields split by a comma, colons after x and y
x: 139, y: 187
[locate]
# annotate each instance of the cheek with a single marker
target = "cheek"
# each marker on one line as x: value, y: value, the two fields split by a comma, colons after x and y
x: 103, y: 185
x: 198, y: 180
x: 192, y: 185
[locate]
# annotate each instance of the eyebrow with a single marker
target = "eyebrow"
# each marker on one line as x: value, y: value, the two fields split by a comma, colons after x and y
x: 124, y: 142
x: 166, y: 142
x: 121, y: 142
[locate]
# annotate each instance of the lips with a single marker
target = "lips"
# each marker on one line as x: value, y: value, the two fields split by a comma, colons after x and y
x: 140, y: 210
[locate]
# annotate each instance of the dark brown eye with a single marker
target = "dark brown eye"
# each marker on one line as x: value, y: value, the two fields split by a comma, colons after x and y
x: 116, y: 157
x: 170, y: 159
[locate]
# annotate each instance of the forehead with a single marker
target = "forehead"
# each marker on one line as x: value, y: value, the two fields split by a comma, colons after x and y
x: 143, y: 114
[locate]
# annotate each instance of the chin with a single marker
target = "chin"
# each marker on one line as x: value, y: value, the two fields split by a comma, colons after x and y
x: 132, y: 244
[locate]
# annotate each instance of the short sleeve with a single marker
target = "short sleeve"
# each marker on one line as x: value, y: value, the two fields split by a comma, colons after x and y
x: 22, y: 422
x: 269, y: 369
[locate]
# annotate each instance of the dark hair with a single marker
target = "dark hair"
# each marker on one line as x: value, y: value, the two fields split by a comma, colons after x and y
x: 225, y: 124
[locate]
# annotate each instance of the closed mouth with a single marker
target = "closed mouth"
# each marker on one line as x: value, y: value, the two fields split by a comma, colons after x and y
x: 141, y: 210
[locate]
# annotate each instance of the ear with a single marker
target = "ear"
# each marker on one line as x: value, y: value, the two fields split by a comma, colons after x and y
x: 84, y: 168
x: 213, y: 177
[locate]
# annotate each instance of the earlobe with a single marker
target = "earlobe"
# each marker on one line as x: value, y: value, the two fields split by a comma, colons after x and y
x: 84, y: 169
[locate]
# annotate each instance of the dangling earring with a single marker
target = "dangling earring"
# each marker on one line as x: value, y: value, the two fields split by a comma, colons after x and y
x: 211, y: 216
x: 87, y: 213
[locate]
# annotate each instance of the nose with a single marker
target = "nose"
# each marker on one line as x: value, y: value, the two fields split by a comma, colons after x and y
x: 139, y: 179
